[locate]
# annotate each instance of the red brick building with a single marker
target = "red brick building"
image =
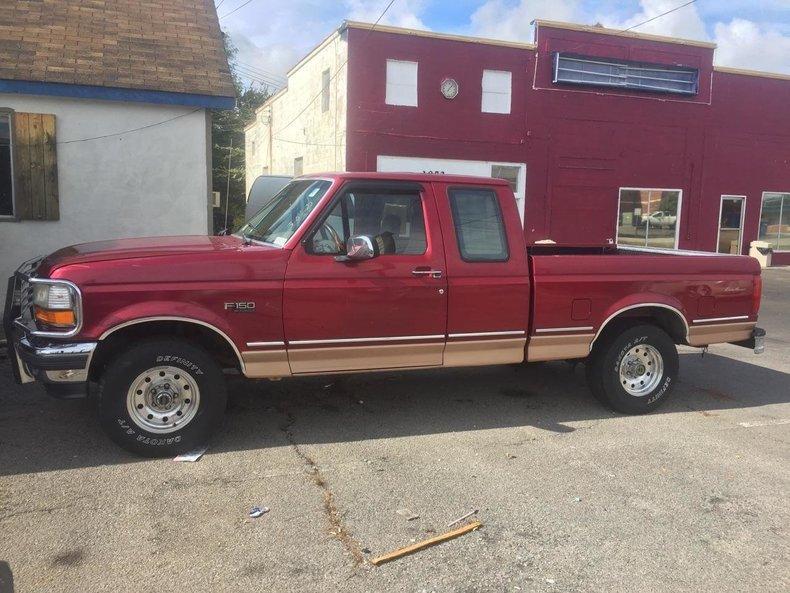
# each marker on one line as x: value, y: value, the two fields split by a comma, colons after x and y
x: 606, y: 136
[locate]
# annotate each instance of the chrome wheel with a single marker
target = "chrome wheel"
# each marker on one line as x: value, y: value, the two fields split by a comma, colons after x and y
x: 641, y: 370
x: 163, y: 399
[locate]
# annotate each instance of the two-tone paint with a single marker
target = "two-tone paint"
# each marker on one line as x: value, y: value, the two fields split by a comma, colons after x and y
x: 313, y: 314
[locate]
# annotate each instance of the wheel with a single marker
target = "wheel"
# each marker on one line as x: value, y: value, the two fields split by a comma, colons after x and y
x: 634, y: 370
x: 162, y: 397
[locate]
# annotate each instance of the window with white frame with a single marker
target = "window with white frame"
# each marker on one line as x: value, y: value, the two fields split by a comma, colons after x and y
x: 775, y: 220
x: 496, y: 91
x: 649, y: 217
x: 401, y: 83
x: 298, y: 166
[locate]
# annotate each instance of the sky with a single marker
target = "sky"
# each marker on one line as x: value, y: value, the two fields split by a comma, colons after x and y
x: 272, y: 35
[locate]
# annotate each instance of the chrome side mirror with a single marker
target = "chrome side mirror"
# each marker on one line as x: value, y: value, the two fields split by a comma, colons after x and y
x: 359, y: 248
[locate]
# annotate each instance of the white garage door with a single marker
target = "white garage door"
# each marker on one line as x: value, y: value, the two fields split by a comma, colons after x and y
x: 515, y: 173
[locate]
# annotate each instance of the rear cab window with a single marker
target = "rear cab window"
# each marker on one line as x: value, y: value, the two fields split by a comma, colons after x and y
x: 478, y: 223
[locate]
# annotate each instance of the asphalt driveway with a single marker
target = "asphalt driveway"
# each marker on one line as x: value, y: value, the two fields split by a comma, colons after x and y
x: 571, y: 496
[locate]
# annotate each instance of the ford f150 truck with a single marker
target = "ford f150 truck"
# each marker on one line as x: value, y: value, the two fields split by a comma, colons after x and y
x: 359, y: 272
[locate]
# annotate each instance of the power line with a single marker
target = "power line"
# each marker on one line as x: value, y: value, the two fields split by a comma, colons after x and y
x: 159, y: 123
x: 381, y: 16
x: 262, y: 71
x: 252, y: 74
x: 239, y: 7
x: 221, y: 2
x: 658, y: 16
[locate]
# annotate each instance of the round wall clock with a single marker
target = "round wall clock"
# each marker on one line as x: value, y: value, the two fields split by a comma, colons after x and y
x: 449, y: 88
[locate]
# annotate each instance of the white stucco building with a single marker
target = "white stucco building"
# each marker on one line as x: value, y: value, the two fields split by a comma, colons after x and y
x: 115, y: 143
x: 297, y: 131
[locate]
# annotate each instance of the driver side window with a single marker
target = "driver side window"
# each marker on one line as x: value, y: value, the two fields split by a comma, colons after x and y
x: 394, y: 220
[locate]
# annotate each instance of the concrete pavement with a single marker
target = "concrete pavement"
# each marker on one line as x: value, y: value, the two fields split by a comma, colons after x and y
x: 572, y: 497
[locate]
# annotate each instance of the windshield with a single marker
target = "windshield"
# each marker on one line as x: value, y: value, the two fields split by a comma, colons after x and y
x: 278, y: 220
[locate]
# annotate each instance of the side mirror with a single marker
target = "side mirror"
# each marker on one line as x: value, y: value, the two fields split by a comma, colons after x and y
x: 359, y: 248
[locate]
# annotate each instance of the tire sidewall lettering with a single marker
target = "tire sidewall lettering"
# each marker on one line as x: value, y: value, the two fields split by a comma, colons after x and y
x: 181, y: 361
x: 141, y: 437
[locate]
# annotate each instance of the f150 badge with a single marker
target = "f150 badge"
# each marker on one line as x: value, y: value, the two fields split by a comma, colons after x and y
x: 241, y: 307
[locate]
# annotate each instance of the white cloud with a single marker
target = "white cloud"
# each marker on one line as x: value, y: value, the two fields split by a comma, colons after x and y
x: 744, y: 44
x: 685, y: 23
x: 403, y: 13
x: 741, y: 43
x: 499, y: 20
x: 273, y: 36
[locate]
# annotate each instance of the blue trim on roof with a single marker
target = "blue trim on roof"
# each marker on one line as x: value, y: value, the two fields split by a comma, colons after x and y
x: 83, y: 91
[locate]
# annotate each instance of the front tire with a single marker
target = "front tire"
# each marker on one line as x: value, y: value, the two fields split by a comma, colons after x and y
x: 161, y: 398
x: 633, y: 371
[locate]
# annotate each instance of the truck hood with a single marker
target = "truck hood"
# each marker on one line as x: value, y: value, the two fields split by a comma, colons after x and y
x: 118, y: 249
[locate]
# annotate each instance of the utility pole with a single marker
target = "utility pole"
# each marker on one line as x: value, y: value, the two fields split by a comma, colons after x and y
x: 227, y: 187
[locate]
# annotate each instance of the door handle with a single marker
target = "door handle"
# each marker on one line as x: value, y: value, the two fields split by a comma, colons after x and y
x: 428, y: 272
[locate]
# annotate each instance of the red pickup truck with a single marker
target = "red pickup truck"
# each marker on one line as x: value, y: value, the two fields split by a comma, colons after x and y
x: 359, y: 272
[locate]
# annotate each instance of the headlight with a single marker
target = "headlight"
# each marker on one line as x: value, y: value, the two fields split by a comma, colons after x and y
x: 55, y: 305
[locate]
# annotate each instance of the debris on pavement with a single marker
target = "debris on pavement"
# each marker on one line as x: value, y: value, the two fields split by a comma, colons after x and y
x: 510, y: 456
x: 256, y: 512
x: 400, y: 552
x: 459, y: 519
x: 193, y: 455
x: 408, y: 514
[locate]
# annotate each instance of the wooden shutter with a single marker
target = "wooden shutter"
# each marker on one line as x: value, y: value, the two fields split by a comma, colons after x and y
x: 35, y: 167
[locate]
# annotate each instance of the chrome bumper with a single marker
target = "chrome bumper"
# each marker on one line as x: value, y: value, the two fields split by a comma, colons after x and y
x: 61, y: 366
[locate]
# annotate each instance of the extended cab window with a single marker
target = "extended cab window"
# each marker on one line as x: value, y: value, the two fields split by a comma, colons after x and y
x: 394, y: 219
x: 478, y: 225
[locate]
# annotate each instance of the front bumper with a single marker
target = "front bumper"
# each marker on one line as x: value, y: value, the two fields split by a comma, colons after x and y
x: 60, y: 365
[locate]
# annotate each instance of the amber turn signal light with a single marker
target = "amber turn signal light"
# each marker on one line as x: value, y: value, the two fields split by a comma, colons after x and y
x: 55, y: 318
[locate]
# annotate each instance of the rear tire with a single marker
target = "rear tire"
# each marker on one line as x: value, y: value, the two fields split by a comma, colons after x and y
x: 633, y: 370
x: 162, y: 397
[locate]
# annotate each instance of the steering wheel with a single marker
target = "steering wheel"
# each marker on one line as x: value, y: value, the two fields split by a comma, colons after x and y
x: 328, y: 232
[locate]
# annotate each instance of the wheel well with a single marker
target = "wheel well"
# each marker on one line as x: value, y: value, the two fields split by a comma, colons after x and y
x: 667, y: 319
x: 210, y: 340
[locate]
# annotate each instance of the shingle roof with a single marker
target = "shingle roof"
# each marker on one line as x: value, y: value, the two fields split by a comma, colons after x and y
x: 160, y: 45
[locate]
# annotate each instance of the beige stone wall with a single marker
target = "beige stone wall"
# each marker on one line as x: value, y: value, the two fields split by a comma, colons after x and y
x: 281, y: 134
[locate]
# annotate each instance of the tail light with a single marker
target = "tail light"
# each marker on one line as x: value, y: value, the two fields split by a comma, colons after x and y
x: 757, y: 295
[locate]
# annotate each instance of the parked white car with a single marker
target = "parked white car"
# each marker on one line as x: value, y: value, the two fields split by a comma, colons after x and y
x: 660, y: 219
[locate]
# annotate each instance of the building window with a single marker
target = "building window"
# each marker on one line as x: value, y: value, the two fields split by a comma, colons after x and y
x: 252, y: 147
x: 775, y: 220
x: 478, y: 224
x: 298, y: 166
x: 401, y: 83
x: 507, y: 172
x: 629, y: 75
x: 6, y: 171
x: 325, y: 90
x: 496, y: 91
x: 649, y: 217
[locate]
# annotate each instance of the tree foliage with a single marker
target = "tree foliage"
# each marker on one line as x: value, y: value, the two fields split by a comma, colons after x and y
x: 228, y: 127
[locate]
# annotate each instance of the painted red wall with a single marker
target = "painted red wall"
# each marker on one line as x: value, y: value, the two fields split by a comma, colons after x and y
x: 580, y: 144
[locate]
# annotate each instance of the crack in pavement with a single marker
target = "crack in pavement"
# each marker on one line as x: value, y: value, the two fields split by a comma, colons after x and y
x: 336, y: 527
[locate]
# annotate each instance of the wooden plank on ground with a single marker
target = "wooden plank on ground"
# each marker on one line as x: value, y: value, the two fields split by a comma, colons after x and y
x: 400, y: 552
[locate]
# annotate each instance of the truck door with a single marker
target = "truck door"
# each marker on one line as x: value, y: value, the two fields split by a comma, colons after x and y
x: 386, y: 312
x: 487, y: 273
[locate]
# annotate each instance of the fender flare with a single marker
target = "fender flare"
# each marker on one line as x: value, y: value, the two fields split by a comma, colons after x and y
x: 155, y: 318
x: 641, y: 305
